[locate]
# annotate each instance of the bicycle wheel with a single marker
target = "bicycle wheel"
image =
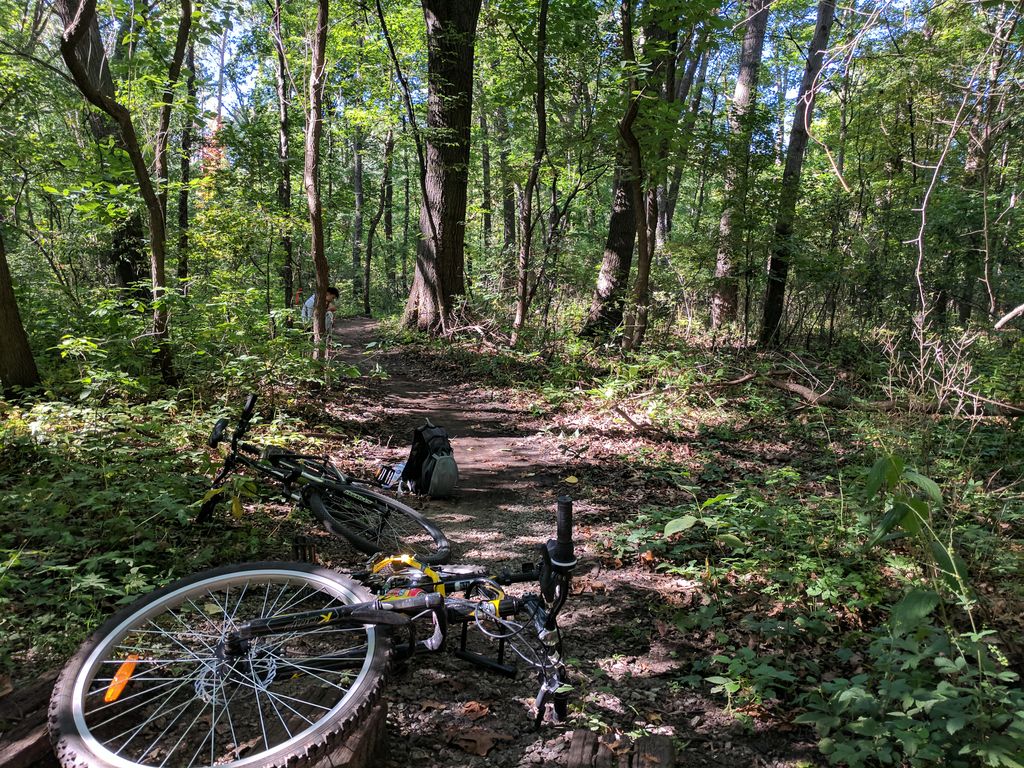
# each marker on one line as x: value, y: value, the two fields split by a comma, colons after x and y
x: 373, y: 522
x: 155, y: 685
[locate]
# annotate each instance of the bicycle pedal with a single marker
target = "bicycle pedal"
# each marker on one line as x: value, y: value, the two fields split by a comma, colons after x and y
x: 304, y: 549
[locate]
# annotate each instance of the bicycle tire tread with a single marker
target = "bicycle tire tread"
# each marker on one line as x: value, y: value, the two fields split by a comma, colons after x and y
x: 315, y: 746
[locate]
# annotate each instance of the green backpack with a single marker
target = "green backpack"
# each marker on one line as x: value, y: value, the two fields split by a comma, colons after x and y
x: 431, y: 468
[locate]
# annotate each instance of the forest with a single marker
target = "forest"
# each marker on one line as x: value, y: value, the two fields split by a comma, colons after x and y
x: 744, y: 278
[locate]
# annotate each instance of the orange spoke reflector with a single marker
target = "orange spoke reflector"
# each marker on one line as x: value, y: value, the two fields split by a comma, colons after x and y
x: 121, y: 678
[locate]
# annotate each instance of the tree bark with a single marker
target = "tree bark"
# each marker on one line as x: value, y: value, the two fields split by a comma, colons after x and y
x: 440, y: 267
x: 983, y: 134
x: 606, y: 307
x: 187, y: 133
x: 405, y: 218
x: 389, y: 224
x: 508, y: 198
x: 385, y: 181
x: 526, y: 220
x: 782, y: 243
x: 17, y: 366
x: 700, y: 64
x: 725, y: 294
x: 311, y: 175
x: 357, y: 216
x: 485, y: 171
x: 284, y: 179
x: 636, y: 322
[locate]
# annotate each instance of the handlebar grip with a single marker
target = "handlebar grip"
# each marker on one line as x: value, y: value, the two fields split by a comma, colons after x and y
x: 561, y: 550
x: 218, y: 433
x: 565, y: 520
x: 250, y: 405
x: 422, y: 602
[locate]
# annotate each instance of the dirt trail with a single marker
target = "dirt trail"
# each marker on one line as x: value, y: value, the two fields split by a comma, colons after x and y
x: 624, y: 666
x: 507, y: 472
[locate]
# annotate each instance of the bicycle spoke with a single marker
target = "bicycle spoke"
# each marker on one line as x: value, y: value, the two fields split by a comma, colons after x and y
x: 187, y: 703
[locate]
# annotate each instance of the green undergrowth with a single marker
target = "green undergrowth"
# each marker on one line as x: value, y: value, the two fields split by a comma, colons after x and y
x: 855, y: 570
x: 855, y: 585
x: 98, y: 501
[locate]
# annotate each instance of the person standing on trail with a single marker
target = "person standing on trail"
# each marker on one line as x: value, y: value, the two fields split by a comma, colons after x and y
x: 307, y: 308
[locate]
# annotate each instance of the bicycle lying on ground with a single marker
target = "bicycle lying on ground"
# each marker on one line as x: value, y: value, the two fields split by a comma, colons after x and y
x: 370, y: 521
x: 275, y: 664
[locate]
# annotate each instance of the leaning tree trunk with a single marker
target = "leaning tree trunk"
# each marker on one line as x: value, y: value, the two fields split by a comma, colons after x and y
x: 606, y: 307
x: 440, y: 257
x: 726, y: 291
x: 311, y: 176
x: 782, y: 243
x: 17, y: 366
x: 84, y: 57
x: 284, y: 180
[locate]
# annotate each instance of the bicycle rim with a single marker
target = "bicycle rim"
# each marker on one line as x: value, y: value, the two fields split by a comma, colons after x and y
x: 187, y: 702
x: 374, y: 523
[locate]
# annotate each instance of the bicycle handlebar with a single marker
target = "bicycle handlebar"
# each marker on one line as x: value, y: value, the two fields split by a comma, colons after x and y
x: 250, y: 405
x: 561, y: 550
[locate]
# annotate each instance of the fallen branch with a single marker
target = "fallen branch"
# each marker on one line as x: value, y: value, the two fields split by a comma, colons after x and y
x: 808, y: 394
x: 981, y: 406
x: 646, y: 427
x: 1009, y: 316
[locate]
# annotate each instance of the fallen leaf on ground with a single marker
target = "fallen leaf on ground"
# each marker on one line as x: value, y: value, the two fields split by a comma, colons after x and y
x: 572, y: 479
x: 474, y: 710
x: 475, y: 741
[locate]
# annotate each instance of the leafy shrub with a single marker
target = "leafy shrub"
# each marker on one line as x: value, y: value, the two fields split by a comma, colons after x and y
x: 926, y: 697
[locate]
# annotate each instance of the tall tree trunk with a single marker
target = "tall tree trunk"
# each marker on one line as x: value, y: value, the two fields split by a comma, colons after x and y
x: 405, y: 220
x: 311, y: 175
x: 686, y: 133
x: 526, y: 220
x: 609, y: 295
x: 485, y: 170
x: 983, y: 132
x: 724, y: 296
x: 508, y: 198
x: 385, y: 181
x: 782, y: 243
x: 637, y: 320
x: 187, y: 133
x: 284, y: 178
x: 357, y: 216
x: 440, y: 268
x: 17, y: 366
x: 389, y: 223
x: 84, y: 58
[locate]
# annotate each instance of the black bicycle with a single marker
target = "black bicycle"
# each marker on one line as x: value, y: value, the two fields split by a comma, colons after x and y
x: 370, y: 521
x: 267, y: 665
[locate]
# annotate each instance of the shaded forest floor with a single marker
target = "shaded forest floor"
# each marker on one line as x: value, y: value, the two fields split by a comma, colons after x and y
x: 769, y: 598
x: 628, y: 659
